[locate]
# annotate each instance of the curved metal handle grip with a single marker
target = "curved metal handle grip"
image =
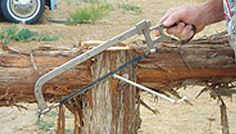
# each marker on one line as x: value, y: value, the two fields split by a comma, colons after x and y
x: 165, y: 37
x: 194, y: 29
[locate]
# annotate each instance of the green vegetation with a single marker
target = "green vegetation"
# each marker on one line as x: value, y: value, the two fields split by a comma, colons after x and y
x: 53, y: 114
x: 45, y: 126
x: 129, y: 7
x: 14, y: 33
x: 94, y: 1
x: 97, y: 9
x: 89, y: 14
x: 71, y: 2
x: 48, y: 124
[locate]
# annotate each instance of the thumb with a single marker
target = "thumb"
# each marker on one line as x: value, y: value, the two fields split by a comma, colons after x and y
x: 172, y: 19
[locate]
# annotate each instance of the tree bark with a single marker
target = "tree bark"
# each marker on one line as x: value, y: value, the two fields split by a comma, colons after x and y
x: 111, y: 107
x: 199, y: 61
x: 171, y: 64
x: 19, y: 72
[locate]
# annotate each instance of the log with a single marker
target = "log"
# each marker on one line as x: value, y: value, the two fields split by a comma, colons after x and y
x: 109, y: 108
x: 19, y: 72
x: 198, y: 61
x: 203, y: 60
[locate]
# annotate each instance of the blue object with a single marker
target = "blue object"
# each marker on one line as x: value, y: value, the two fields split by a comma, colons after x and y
x: 53, y: 4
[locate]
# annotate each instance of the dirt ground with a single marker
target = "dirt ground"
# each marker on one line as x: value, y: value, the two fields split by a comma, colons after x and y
x: 203, y: 117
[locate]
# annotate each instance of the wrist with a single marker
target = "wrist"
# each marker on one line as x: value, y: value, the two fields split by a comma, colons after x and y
x: 211, y: 12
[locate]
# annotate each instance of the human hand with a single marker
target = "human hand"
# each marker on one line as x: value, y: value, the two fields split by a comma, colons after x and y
x: 183, y: 22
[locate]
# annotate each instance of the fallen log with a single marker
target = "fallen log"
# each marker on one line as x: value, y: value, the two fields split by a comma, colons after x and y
x: 111, y: 107
x: 19, y: 71
x: 200, y: 60
x: 194, y: 61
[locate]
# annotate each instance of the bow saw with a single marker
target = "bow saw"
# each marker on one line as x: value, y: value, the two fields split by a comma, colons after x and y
x: 142, y: 28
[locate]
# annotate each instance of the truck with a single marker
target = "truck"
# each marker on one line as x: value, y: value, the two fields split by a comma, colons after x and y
x: 25, y: 11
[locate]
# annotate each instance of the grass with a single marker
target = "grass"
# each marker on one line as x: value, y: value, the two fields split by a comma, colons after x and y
x: 48, y: 124
x: 97, y: 9
x: 89, y: 14
x: 14, y: 33
x: 94, y: 1
x: 45, y: 126
x: 131, y: 7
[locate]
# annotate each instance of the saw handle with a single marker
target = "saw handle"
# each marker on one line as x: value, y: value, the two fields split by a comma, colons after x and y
x: 194, y: 29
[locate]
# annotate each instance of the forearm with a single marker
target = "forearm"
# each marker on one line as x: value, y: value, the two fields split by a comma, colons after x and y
x: 212, y: 12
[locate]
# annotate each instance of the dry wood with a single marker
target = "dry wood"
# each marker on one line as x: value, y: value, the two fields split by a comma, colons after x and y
x: 18, y: 74
x: 171, y: 64
x: 194, y: 64
x: 198, y: 62
x: 61, y: 120
x: 111, y: 107
x: 207, y: 60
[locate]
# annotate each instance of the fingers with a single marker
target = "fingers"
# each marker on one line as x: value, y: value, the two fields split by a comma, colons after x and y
x: 171, y: 17
x: 181, y: 31
x: 181, y: 17
x: 174, y: 18
x: 187, y: 33
x: 157, y: 32
x: 176, y: 30
x: 167, y: 14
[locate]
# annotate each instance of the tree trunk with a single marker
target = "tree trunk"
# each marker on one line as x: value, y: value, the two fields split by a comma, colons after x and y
x: 200, y: 61
x: 19, y: 72
x: 111, y: 107
x: 172, y: 64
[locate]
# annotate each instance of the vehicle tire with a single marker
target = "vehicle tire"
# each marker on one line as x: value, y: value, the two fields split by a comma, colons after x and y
x: 22, y: 11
